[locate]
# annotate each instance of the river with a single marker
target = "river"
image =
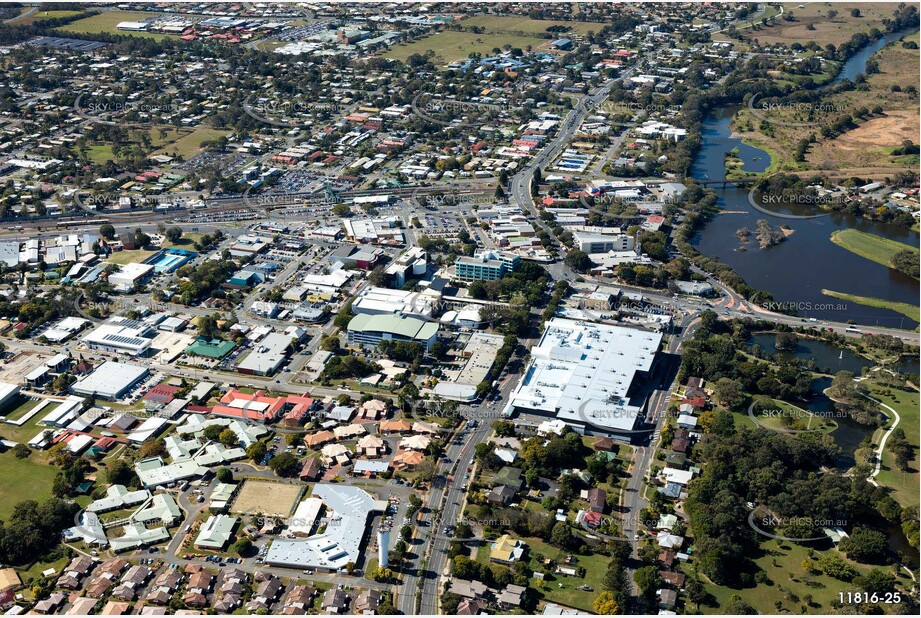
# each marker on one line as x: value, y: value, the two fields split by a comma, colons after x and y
x: 796, y: 270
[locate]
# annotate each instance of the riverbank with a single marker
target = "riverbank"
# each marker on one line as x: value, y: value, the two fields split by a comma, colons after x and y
x: 872, y: 247
x: 912, y: 312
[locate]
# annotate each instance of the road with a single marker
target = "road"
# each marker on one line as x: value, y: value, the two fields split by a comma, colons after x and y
x: 633, y: 500
x: 429, y: 542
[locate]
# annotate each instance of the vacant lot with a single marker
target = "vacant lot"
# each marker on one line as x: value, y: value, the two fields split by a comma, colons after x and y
x: 824, y: 30
x: 107, y: 23
x: 266, y: 497
x: 450, y: 46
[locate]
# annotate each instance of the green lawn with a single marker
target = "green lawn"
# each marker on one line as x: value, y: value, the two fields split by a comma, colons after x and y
x: 511, y: 23
x: 28, y: 430
x: 124, y: 257
x: 789, y: 584
x: 107, y: 23
x: 23, y: 479
x: 36, y: 569
x: 904, y: 484
x: 909, y: 311
x: 870, y: 246
x: 186, y: 242
x: 21, y: 406
x: 190, y: 143
x: 101, y: 153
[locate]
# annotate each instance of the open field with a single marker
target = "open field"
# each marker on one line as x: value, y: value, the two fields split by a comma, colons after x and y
x: 511, y: 24
x: 450, y: 46
x: 870, y: 246
x: 23, y: 479
x: 124, y: 257
x: 107, y: 22
x: 911, y: 311
x: 40, y: 16
x: 267, y: 498
x: 100, y: 153
x: 782, y: 561
x: 904, y: 484
x: 189, y: 144
x: 837, y: 30
x: 568, y: 594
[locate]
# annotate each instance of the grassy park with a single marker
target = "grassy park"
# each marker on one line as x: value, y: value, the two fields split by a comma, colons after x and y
x: 904, y: 484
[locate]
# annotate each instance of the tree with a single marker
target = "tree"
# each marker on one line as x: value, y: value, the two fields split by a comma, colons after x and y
x: 785, y: 342
x: 737, y: 606
x: 225, y: 475
x: 578, y: 260
x: 865, y: 545
x: 140, y: 238
x: 605, y: 605
x: 242, y: 546
x: 381, y: 574
x: 213, y: 432
x: 228, y: 437
x: 729, y: 393
x: 21, y: 451
x: 285, y: 465
x: 151, y: 447
x: 647, y: 580
x: 107, y: 231
x: 877, y: 581
x: 173, y: 234
x: 256, y: 451
x: 562, y: 536
x: 119, y: 473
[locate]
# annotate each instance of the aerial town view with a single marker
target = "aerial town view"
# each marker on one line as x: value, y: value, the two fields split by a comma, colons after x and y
x: 421, y: 308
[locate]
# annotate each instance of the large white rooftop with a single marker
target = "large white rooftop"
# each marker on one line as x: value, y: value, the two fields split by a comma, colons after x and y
x: 580, y: 372
x: 340, y: 543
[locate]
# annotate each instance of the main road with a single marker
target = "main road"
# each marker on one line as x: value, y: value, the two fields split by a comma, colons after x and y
x: 443, y: 507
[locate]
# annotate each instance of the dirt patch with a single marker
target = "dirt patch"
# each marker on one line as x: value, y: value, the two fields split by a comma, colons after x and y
x: 267, y: 498
x: 889, y: 130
